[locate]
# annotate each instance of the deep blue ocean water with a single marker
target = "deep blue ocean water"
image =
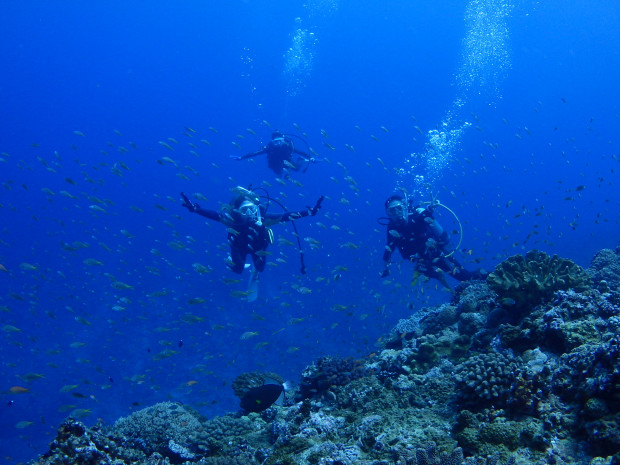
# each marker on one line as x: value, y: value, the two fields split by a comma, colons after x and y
x: 506, y: 110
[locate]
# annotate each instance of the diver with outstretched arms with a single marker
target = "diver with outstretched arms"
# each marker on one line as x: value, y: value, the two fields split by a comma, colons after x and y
x: 280, y: 151
x: 248, y: 225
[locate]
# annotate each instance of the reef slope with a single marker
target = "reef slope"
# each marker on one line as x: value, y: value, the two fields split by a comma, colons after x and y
x: 522, y: 368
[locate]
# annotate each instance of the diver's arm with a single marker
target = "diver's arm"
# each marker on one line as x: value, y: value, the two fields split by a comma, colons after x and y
x: 195, y: 208
x: 438, y: 233
x: 303, y: 155
x: 211, y: 214
x: 249, y: 155
x: 387, y: 255
x: 288, y: 216
x: 291, y: 216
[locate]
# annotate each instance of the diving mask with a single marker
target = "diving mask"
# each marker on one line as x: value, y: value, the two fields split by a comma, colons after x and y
x: 397, y: 211
x: 250, y: 212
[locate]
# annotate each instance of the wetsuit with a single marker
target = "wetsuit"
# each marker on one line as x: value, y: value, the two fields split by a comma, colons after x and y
x: 422, y: 240
x: 248, y: 237
x: 280, y: 150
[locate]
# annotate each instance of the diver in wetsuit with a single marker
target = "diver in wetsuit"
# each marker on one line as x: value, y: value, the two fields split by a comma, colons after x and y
x: 248, y: 226
x: 280, y: 151
x: 420, y: 239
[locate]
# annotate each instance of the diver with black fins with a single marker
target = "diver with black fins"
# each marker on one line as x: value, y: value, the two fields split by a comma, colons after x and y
x: 280, y: 151
x: 422, y: 240
x: 248, y: 225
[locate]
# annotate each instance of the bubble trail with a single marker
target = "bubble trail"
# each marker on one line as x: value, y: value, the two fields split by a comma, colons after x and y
x: 485, y: 62
x: 299, y: 57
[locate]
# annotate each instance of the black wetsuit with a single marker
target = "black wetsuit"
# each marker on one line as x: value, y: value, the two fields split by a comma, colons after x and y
x: 247, y: 237
x: 279, y: 151
x: 423, y: 241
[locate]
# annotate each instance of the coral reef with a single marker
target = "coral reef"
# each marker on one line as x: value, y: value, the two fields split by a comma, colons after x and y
x: 318, y: 378
x: 531, y: 279
x: 605, y: 269
x: 487, y: 379
x: 165, y: 428
x: 524, y: 368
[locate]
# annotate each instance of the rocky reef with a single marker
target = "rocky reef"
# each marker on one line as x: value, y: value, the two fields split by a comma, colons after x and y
x: 522, y: 368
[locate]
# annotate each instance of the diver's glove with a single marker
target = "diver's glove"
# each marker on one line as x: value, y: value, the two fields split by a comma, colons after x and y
x: 425, y: 212
x: 312, y: 211
x: 192, y: 207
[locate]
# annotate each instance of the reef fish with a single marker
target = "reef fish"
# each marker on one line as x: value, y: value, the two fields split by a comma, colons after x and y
x: 262, y: 397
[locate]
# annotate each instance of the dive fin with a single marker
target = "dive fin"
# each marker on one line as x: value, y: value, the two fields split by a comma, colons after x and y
x: 252, y: 292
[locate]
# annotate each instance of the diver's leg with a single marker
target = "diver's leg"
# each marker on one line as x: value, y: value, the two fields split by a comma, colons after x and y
x: 259, y: 262
x: 457, y: 271
x: 237, y: 260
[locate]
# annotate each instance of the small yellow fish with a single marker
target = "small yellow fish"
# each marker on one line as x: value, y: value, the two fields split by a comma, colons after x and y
x: 241, y: 294
x: 198, y: 268
x: 164, y: 354
x: 81, y: 413
x: 19, y: 390
x: 27, y: 267
x: 97, y: 208
x: 11, y: 329
x: 24, y: 424
x: 68, y: 387
x: 191, y: 319
x: 121, y: 285
x: 165, y: 145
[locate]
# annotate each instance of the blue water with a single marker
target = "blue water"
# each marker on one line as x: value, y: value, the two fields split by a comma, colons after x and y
x: 508, y: 111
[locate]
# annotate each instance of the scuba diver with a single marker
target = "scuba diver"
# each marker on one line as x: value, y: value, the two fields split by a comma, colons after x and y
x: 422, y: 240
x: 280, y: 150
x: 248, y: 225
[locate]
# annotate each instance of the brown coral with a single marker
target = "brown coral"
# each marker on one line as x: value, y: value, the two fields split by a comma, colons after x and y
x: 533, y: 278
